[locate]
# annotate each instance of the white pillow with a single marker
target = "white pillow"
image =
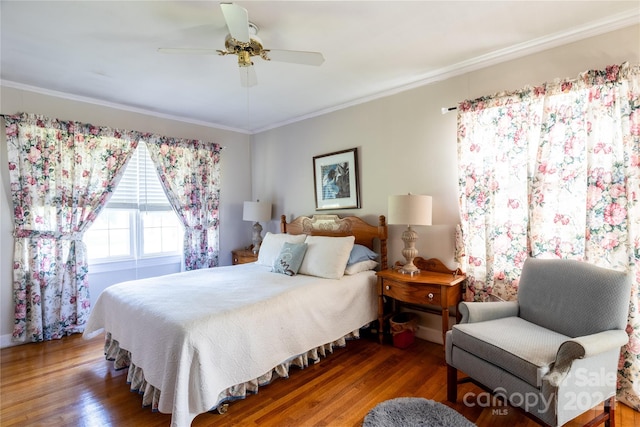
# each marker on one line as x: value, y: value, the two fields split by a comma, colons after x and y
x: 272, y: 245
x: 357, y: 267
x: 326, y: 256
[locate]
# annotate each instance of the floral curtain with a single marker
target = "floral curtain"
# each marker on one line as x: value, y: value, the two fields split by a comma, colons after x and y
x: 554, y: 171
x: 62, y: 174
x: 190, y: 174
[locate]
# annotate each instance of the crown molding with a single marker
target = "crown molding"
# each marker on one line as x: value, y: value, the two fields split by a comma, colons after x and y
x: 101, y: 103
x: 594, y: 28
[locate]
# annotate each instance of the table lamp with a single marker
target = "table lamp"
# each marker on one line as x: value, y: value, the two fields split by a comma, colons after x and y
x: 410, y: 209
x: 256, y: 211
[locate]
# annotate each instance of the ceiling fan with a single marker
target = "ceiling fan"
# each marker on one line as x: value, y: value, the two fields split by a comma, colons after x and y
x: 243, y: 42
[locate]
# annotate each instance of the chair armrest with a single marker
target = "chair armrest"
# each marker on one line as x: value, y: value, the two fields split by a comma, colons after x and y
x: 480, y: 311
x: 580, y: 347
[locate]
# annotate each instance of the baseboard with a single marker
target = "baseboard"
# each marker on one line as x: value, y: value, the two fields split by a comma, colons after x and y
x: 6, y: 341
x: 422, y: 332
x: 429, y: 326
x: 429, y: 334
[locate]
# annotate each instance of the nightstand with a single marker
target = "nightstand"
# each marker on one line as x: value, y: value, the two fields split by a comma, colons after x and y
x: 436, y: 286
x: 243, y: 256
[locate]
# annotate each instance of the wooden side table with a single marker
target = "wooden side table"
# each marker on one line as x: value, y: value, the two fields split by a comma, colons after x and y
x: 436, y: 285
x: 243, y: 256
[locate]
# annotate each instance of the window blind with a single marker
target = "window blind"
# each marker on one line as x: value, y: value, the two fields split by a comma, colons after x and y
x: 140, y: 186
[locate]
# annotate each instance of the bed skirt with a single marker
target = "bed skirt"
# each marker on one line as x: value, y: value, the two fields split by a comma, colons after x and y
x: 151, y: 395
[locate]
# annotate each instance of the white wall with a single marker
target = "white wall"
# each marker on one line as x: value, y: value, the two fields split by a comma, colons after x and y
x: 235, y: 185
x: 407, y: 145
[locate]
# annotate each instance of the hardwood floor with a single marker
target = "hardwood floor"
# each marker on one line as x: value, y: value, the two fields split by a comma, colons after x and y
x: 69, y: 383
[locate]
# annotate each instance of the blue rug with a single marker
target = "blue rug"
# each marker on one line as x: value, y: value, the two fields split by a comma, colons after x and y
x: 414, y: 412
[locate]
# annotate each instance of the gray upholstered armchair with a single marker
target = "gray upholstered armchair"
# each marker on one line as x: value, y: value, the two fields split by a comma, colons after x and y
x: 554, y: 353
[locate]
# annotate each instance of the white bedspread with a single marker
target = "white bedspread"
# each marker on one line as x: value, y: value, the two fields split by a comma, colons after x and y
x: 196, y: 333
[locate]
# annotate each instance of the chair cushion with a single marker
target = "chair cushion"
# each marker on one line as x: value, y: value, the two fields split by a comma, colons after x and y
x: 511, y: 343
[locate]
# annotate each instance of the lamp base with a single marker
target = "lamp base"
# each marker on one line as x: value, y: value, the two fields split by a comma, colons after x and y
x: 409, y: 269
x: 409, y: 252
x: 257, y: 238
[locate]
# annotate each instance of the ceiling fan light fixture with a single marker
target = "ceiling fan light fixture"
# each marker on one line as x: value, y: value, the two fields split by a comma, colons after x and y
x: 254, y: 47
x: 243, y: 41
x: 244, y: 59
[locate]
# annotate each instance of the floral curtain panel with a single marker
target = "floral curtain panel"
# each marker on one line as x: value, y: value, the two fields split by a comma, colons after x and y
x: 554, y: 171
x: 190, y: 174
x: 62, y: 174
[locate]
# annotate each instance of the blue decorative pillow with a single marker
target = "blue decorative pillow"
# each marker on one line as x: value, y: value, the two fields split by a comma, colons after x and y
x: 361, y: 253
x: 290, y: 258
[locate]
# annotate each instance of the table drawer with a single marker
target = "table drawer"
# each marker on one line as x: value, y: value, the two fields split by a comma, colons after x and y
x: 412, y: 293
x: 243, y: 256
x: 240, y: 259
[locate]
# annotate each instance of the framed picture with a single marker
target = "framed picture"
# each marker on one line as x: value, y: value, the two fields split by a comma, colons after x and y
x: 335, y: 178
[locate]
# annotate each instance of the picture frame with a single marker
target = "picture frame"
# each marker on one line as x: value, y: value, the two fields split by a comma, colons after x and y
x: 336, y: 180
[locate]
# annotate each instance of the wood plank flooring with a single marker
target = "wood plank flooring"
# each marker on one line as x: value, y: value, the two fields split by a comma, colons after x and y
x: 69, y: 383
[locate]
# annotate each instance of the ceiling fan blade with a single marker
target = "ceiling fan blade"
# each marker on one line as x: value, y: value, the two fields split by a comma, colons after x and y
x: 188, y: 51
x: 296, y: 57
x: 237, y: 19
x: 248, y: 76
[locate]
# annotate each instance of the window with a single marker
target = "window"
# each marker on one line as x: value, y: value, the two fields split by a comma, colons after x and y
x: 110, y: 235
x: 138, y: 222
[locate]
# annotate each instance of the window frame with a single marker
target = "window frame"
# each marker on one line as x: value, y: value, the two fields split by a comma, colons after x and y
x: 136, y: 257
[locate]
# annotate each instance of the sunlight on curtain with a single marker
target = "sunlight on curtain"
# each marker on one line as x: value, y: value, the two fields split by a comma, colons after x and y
x: 61, y: 175
x: 554, y: 171
x: 190, y: 174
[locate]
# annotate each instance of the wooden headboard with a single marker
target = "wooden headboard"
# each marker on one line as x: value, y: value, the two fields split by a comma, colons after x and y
x: 334, y: 226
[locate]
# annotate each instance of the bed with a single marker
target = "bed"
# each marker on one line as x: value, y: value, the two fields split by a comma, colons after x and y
x: 195, y: 340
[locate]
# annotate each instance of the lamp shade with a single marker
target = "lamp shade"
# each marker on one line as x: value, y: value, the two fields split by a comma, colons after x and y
x: 410, y: 209
x: 256, y: 211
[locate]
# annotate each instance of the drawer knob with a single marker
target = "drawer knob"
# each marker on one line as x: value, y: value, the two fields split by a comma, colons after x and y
x: 430, y: 296
x: 388, y: 287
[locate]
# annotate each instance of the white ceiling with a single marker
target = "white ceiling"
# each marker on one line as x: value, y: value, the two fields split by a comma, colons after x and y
x: 106, y: 51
